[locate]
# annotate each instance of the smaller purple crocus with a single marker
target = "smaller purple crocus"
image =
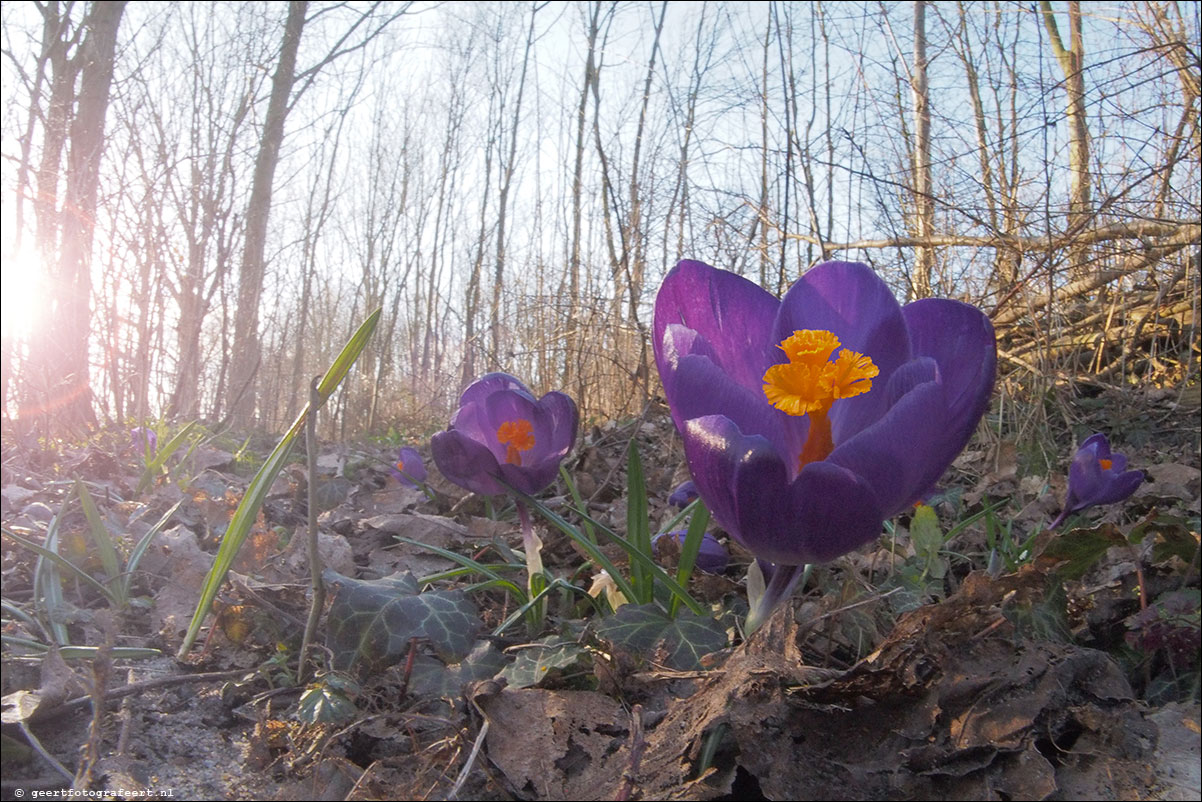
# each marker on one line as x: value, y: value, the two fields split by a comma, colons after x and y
x: 712, y: 557
x: 683, y: 495
x: 1097, y: 476
x: 409, y: 469
x: 502, y: 435
x: 144, y: 440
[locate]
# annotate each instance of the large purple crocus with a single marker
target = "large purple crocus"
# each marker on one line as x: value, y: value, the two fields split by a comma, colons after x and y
x: 1097, y: 476
x: 809, y: 420
x: 502, y: 433
x: 409, y: 469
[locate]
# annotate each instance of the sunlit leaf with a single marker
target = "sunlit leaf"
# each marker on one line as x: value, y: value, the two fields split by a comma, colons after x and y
x: 325, y: 704
x: 678, y: 642
x: 536, y: 661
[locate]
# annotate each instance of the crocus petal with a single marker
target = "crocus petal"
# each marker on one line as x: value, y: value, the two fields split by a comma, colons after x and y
x: 712, y: 556
x: 903, y: 454
x: 825, y: 512
x: 683, y: 495
x: 1098, y: 444
x: 532, y: 478
x: 489, y: 384
x: 713, y: 446
x: 852, y: 302
x: 1121, y: 486
x: 702, y: 388
x: 563, y: 419
x: 961, y: 340
x: 466, y: 462
x: 732, y: 314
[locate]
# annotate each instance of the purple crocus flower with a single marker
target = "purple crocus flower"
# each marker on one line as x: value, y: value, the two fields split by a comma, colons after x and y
x: 809, y: 420
x: 683, y: 495
x: 502, y: 433
x: 144, y: 440
x: 1097, y: 476
x: 712, y: 557
x: 409, y: 469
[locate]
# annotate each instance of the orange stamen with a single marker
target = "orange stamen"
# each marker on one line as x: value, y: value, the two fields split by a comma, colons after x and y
x: 809, y: 383
x: 516, y: 436
x: 1105, y: 463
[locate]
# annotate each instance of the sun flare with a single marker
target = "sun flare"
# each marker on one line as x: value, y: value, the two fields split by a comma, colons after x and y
x: 21, y: 282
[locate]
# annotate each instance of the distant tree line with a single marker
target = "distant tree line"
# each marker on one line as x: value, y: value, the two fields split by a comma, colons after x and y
x: 214, y: 195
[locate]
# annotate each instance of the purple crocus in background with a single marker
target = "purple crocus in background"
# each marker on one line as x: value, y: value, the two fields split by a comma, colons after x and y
x: 683, y: 495
x: 1097, y: 476
x: 809, y: 420
x: 712, y: 557
x: 502, y: 433
x: 409, y: 469
x: 144, y: 440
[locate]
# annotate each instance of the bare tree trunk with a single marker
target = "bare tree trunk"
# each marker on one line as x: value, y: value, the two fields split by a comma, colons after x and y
x: 1072, y: 63
x: 507, y: 172
x: 61, y: 358
x: 572, y: 368
x: 247, y: 347
x: 924, y: 201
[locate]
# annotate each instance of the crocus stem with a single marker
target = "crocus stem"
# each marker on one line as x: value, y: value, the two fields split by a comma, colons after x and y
x: 533, y: 547
x: 785, y: 579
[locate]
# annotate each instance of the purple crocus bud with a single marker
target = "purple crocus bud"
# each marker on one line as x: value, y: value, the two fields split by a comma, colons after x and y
x: 683, y: 495
x: 1097, y: 476
x: 809, y: 420
x: 144, y: 440
x: 409, y: 469
x: 712, y: 557
x: 502, y: 433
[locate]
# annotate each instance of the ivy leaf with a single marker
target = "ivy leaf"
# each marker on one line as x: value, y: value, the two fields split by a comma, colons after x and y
x: 325, y: 704
x: 537, y: 660
x: 1173, y: 537
x: 433, y: 678
x: 678, y: 642
x: 374, y: 620
x: 1074, y: 552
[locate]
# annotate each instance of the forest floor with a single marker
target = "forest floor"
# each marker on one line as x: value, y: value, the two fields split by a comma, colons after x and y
x: 999, y: 661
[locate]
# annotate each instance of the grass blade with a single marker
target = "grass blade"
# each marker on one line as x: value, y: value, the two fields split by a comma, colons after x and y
x: 689, y: 550
x: 638, y: 528
x: 62, y: 562
x: 135, y: 556
x: 104, y: 544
